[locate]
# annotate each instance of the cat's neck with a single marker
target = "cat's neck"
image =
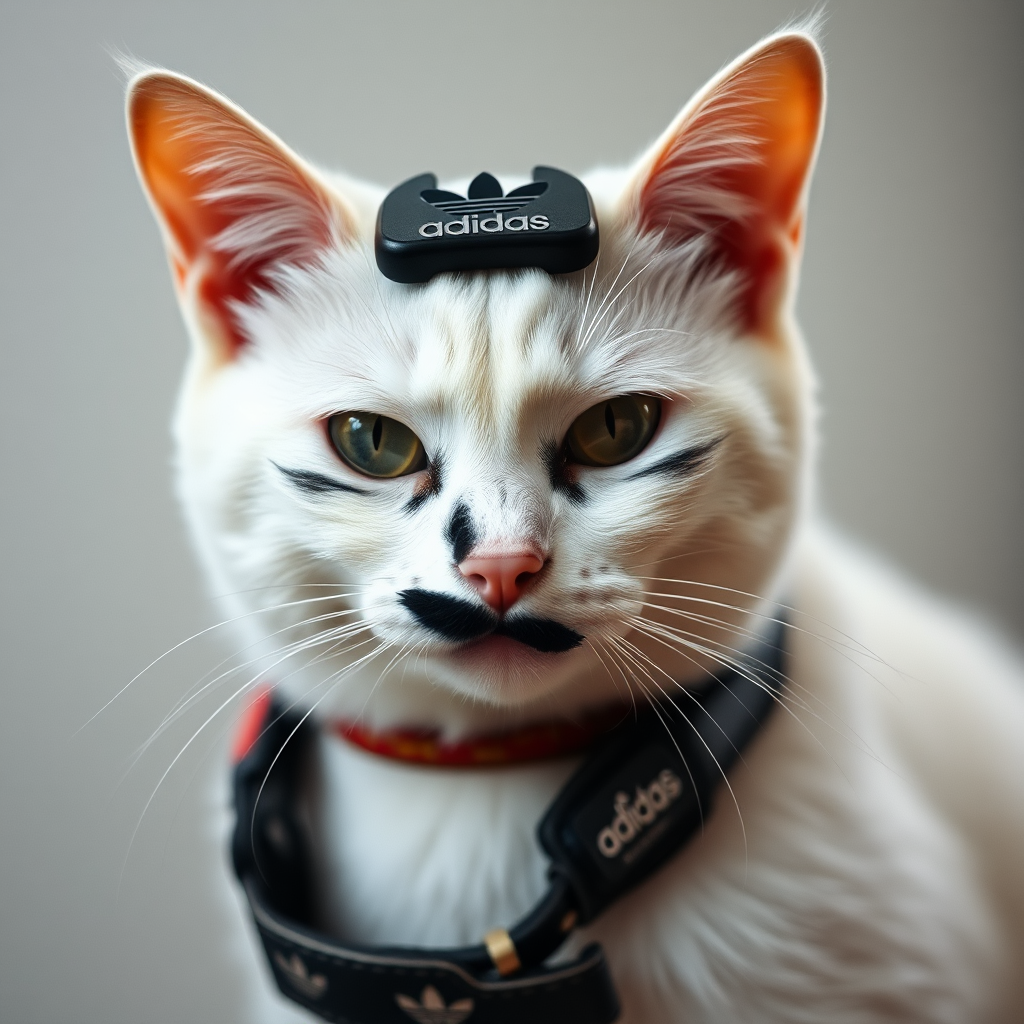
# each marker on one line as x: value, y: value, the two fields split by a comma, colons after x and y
x: 396, y: 705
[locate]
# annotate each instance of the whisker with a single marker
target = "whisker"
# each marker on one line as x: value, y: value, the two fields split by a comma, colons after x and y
x: 191, y: 692
x: 195, y: 735
x: 609, y: 302
x: 640, y: 626
x: 597, y: 653
x: 581, y: 344
x: 381, y: 675
x: 854, y: 644
x: 641, y: 654
x: 724, y: 625
x: 287, y: 651
x: 845, y: 650
x: 336, y: 680
x: 229, y: 725
x: 615, y: 660
x: 195, y: 636
x: 589, y: 292
x: 693, y: 642
x: 618, y: 642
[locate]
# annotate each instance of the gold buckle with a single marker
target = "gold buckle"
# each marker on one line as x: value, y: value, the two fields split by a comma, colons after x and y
x: 502, y: 951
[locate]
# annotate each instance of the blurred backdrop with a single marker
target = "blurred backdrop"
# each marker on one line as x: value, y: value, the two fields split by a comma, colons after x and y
x: 911, y: 300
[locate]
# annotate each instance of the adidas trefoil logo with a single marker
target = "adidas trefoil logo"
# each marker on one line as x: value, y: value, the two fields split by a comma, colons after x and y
x: 431, y: 1008
x: 312, y: 986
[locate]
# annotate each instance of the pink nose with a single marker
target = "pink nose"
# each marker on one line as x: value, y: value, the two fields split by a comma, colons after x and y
x: 500, y: 578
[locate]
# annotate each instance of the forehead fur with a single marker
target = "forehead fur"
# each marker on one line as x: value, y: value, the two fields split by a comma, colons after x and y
x: 483, y: 346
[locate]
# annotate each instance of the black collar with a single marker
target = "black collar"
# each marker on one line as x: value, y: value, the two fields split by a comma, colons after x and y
x: 636, y: 801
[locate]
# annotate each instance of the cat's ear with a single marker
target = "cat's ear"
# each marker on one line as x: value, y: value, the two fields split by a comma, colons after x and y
x: 732, y: 172
x: 232, y: 200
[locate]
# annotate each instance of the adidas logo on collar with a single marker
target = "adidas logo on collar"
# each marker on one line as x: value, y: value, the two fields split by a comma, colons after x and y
x: 432, y: 1009
x: 632, y: 817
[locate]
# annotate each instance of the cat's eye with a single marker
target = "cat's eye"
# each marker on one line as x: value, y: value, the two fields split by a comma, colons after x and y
x: 376, y: 445
x: 613, y: 431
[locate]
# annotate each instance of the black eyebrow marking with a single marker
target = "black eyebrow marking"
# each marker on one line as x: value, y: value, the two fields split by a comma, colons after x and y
x: 682, y: 462
x: 316, y: 483
x: 558, y: 473
x: 416, y: 501
x: 431, y: 486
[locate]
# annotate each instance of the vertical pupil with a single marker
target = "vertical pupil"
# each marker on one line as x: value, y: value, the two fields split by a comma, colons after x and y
x: 609, y: 419
x: 378, y: 430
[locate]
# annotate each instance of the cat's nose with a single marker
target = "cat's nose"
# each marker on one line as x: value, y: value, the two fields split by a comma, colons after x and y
x: 500, y: 578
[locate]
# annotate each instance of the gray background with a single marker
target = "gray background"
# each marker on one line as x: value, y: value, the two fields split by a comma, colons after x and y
x: 911, y: 300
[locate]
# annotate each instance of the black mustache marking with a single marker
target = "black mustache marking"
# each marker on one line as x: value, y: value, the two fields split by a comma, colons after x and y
x: 452, y: 618
x: 459, y: 620
x: 544, y: 635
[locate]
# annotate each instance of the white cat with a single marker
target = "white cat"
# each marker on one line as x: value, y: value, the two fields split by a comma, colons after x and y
x: 867, y: 865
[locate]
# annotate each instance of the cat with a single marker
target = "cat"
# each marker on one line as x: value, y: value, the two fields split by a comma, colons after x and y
x: 626, y: 451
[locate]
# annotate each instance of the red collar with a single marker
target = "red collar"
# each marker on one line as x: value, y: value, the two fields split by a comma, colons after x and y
x: 534, y: 742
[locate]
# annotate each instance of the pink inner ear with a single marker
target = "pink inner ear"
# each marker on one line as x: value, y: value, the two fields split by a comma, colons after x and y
x: 233, y: 201
x: 735, y: 170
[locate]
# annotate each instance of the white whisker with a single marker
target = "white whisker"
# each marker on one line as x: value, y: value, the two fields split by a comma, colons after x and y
x: 195, y: 636
x: 725, y: 779
x: 177, y: 757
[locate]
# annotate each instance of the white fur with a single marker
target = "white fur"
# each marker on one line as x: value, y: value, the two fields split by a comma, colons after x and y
x: 863, y: 867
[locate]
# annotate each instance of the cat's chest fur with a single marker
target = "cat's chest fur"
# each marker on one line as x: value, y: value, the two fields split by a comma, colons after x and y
x: 842, y: 896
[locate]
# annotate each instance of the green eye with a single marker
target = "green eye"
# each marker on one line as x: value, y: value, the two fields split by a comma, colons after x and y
x: 613, y: 431
x: 376, y: 445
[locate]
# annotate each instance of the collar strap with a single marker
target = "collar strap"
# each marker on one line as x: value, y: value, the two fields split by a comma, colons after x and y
x: 634, y: 803
x: 533, y: 742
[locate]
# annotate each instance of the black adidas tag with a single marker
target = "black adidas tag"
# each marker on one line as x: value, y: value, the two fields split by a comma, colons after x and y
x: 624, y: 815
x: 423, y: 230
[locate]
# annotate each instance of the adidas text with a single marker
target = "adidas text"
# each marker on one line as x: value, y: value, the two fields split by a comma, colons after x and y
x: 475, y: 225
x: 633, y: 816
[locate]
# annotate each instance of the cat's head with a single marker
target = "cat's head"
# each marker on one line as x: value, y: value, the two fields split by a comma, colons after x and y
x: 536, y: 492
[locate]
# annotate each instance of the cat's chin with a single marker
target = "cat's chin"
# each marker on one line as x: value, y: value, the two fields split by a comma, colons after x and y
x: 499, y: 655
x: 502, y: 671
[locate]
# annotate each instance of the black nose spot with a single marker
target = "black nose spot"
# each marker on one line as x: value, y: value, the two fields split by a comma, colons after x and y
x: 460, y: 533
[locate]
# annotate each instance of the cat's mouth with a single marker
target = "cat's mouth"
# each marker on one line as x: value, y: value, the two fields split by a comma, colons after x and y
x: 462, y: 621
